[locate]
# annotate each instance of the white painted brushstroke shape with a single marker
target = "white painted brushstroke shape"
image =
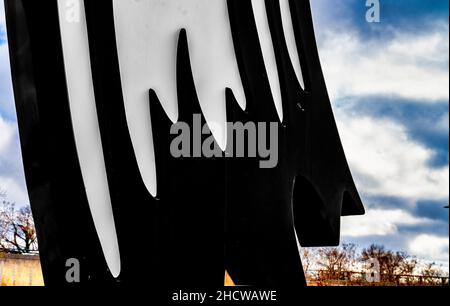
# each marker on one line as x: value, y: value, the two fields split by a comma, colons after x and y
x: 267, y: 47
x: 86, y: 130
x: 147, y: 38
x: 290, y: 40
x: 147, y: 35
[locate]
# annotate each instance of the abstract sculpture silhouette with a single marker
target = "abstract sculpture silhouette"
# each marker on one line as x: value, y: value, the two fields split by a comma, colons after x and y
x: 209, y: 214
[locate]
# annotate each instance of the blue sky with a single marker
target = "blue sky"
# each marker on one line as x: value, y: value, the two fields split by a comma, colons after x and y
x: 389, y: 87
x: 11, y: 170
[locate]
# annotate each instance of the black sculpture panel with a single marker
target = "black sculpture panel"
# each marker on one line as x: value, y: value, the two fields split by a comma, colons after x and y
x: 209, y: 214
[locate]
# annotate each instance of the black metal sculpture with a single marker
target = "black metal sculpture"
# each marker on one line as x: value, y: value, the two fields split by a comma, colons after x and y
x: 214, y: 214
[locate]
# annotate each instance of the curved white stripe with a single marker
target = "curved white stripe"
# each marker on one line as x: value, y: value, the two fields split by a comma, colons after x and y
x: 289, y: 35
x: 265, y: 38
x: 147, y: 35
x: 85, y: 123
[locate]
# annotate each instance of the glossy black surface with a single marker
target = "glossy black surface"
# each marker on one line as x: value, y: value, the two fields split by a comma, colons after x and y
x: 210, y: 214
x: 312, y: 186
x: 55, y: 186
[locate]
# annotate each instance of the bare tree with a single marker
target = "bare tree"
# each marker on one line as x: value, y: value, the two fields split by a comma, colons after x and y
x: 308, y: 256
x: 336, y: 261
x: 432, y: 274
x: 392, y: 264
x: 17, y: 231
x: 344, y: 264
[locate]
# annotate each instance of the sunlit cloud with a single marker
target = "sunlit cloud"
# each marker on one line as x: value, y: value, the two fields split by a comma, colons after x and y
x: 6, y: 135
x: 378, y: 222
x: 408, y: 66
x: 11, y: 171
x: 2, y: 23
x: 6, y: 94
x: 386, y: 161
x: 430, y: 246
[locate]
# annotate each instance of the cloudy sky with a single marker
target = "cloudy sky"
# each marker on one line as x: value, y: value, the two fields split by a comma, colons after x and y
x: 11, y: 170
x: 389, y: 86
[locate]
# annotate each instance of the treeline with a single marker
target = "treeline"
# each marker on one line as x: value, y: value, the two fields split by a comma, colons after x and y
x: 17, y: 231
x: 374, y: 265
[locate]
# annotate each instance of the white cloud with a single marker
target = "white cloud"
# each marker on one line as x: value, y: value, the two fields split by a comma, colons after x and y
x: 409, y: 65
x: 6, y: 92
x: 11, y: 169
x: 379, y: 222
x: 15, y: 191
x: 2, y: 23
x: 2, y: 14
x: 387, y: 162
x: 430, y: 246
x: 6, y: 135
